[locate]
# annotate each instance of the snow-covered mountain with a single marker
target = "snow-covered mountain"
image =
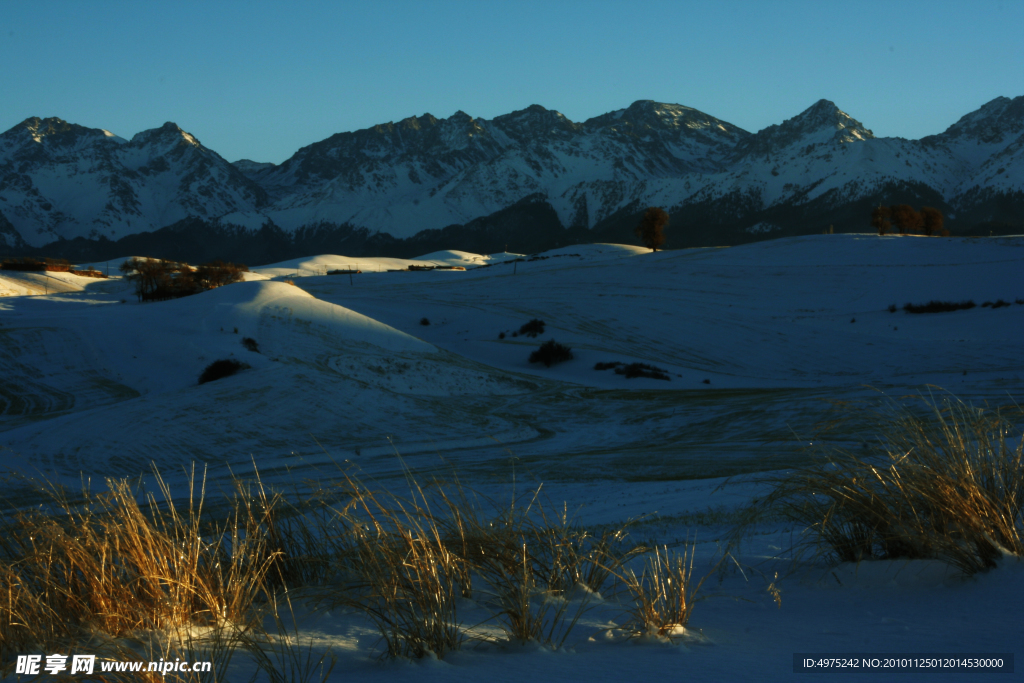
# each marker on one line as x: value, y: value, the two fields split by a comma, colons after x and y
x: 825, y: 153
x: 10, y: 239
x: 59, y: 180
x: 398, y: 180
x: 424, y: 172
x: 989, y: 144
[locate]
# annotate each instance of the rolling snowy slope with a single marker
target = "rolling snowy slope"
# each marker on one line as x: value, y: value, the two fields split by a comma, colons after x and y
x: 755, y: 341
x: 763, y: 345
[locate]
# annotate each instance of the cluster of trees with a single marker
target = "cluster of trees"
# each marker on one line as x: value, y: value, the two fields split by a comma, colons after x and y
x: 157, y: 280
x: 28, y: 263
x: 907, y: 221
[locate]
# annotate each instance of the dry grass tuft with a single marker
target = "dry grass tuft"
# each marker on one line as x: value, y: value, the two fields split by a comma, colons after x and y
x: 533, y: 559
x: 121, y: 562
x: 402, y: 573
x: 663, y: 595
x: 415, y: 557
x: 947, y: 485
x: 199, y: 581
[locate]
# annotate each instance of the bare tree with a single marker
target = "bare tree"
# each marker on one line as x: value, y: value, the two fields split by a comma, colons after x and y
x: 880, y: 219
x: 932, y: 221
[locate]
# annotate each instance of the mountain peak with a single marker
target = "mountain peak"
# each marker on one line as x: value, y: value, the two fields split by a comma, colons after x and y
x: 35, y: 133
x: 169, y: 132
x: 645, y: 115
x: 824, y: 115
x: 992, y: 123
x: 418, y: 122
x: 535, y: 122
x: 822, y: 122
x: 642, y: 106
x: 40, y: 128
x: 39, y: 125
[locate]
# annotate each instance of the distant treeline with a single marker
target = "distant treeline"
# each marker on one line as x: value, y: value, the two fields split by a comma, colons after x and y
x: 29, y: 264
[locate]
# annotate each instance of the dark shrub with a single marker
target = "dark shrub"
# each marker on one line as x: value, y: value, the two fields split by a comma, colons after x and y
x: 250, y: 343
x: 892, y: 308
x: 532, y: 328
x: 219, y: 369
x: 707, y: 381
x: 551, y: 352
x: 642, y: 370
x: 634, y: 370
x: 501, y: 335
x: 938, y: 306
x: 424, y: 321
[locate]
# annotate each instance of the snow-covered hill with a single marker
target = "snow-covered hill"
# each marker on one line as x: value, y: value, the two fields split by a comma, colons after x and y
x: 821, y: 167
x: 764, y: 346
x: 799, y: 319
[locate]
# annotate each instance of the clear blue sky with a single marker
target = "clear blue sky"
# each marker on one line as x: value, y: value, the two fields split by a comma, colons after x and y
x: 259, y: 80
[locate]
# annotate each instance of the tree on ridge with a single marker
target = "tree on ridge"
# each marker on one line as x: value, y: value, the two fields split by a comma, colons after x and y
x: 651, y: 229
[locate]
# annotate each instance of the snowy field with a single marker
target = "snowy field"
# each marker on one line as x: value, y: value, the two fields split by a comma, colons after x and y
x: 763, y: 345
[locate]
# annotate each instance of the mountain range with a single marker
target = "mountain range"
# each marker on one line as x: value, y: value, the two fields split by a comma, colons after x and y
x: 525, y: 181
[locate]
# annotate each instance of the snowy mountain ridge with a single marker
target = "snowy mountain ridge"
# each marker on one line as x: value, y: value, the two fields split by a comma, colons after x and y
x: 59, y: 180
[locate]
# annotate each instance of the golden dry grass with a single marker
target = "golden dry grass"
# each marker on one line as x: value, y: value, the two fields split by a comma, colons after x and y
x: 946, y: 485
x: 664, y: 594
x: 133, y: 574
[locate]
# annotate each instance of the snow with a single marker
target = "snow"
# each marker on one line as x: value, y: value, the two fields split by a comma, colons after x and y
x: 781, y: 329
x: 114, y: 137
x: 677, y: 155
x: 27, y: 283
x: 322, y: 264
x: 762, y: 227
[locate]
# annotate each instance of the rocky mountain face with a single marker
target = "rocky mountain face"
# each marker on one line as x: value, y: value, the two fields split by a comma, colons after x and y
x: 428, y: 173
x: 59, y: 181
x: 10, y: 239
x: 531, y: 175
